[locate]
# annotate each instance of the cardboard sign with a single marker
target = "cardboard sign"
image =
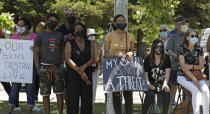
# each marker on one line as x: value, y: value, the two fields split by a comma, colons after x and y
x: 16, y: 61
x: 204, y: 39
x: 124, y: 75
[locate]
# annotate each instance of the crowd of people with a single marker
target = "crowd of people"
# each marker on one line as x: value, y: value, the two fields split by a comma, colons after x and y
x: 68, y: 58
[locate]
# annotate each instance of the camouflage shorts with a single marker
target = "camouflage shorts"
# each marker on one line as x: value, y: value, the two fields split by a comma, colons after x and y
x: 52, y: 75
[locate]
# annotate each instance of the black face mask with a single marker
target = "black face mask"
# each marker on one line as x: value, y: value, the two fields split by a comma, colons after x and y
x: 71, y: 19
x: 159, y: 50
x: 121, y: 26
x: 81, y: 33
x: 52, y: 25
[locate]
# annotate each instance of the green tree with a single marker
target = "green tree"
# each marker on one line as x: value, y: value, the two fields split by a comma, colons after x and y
x: 6, y: 23
x: 198, y: 12
x: 152, y: 14
x: 97, y: 15
x: 35, y: 10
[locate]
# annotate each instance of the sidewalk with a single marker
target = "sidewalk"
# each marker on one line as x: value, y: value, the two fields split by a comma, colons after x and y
x: 100, y: 98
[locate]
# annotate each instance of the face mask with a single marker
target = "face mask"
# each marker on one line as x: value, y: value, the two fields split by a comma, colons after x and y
x: 121, y: 26
x: 184, y: 28
x: 38, y: 30
x: 51, y: 25
x: 163, y: 34
x: 71, y: 19
x: 81, y: 33
x: 20, y: 30
x: 193, y: 40
x: 158, y: 51
x: 92, y: 38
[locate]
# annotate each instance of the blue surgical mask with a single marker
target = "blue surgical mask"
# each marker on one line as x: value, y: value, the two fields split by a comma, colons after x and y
x: 163, y: 34
x: 193, y: 40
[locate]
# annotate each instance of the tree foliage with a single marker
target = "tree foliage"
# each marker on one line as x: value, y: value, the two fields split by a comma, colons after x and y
x: 152, y: 14
x: 198, y: 12
x: 98, y: 14
x: 7, y: 24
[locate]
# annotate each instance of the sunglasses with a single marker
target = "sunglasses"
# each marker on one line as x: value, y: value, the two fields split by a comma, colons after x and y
x: 192, y: 36
x: 163, y: 30
x: 158, y: 47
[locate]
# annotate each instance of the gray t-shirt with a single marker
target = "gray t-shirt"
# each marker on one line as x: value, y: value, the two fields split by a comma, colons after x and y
x: 50, y: 45
x: 174, y: 43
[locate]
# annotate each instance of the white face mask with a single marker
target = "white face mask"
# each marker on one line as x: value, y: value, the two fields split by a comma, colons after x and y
x: 184, y: 28
x: 91, y: 37
x: 193, y: 40
x: 20, y: 30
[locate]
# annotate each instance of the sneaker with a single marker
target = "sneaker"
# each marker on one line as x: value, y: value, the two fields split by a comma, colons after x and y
x: 17, y: 109
x: 35, y: 108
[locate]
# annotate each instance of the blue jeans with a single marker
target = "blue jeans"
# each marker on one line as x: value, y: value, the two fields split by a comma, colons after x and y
x: 30, y: 91
x: 14, y: 93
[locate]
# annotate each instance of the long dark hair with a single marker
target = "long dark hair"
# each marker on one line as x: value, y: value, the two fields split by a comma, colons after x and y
x: 115, y: 19
x: 186, y: 42
x: 83, y: 26
x: 152, y: 52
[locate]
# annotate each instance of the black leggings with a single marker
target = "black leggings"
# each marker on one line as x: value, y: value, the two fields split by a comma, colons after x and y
x: 117, y: 102
x: 150, y: 99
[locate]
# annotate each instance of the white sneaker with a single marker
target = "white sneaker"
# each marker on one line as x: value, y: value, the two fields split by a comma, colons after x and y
x: 17, y: 109
x: 35, y: 108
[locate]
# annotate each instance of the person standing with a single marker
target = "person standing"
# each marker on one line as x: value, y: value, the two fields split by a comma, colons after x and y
x: 22, y: 32
x: 66, y: 28
x: 120, y: 44
x: 40, y: 27
x: 79, y: 56
x: 49, y: 47
x: 157, y: 67
x: 93, y: 36
x: 164, y: 31
x: 173, y: 45
x: 6, y: 85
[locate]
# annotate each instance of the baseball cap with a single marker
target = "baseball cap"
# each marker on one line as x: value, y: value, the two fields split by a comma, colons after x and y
x: 181, y: 19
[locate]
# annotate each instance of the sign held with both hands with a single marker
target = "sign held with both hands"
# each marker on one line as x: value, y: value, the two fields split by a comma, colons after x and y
x: 16, y: 61
x: 123, y: 75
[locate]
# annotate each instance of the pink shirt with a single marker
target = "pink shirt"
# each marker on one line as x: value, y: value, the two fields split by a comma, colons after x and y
x: 16, y: 36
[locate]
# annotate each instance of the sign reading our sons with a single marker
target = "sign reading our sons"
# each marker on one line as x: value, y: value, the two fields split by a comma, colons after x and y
x: 16, y: 61
x: 123, y: 75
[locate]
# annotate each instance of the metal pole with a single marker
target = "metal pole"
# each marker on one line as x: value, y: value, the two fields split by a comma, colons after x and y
x: 120, y: 7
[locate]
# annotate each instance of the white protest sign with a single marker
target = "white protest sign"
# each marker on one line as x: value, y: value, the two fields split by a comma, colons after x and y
x: 204, y: 38
x: 16, y: 61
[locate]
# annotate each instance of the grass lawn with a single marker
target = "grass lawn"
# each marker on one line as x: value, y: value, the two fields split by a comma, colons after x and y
x: 99, y: 108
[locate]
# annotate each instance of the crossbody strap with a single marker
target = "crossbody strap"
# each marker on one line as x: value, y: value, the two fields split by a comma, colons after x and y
x: 126, y: 41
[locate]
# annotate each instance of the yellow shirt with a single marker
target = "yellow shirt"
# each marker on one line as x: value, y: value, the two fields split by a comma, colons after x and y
x: 97, y: 50
x: 117, y: 42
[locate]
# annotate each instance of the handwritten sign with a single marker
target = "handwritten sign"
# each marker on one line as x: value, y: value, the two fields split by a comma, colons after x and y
x: 204, y: 38
x: 123, y: 75
x: 16, y: 61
